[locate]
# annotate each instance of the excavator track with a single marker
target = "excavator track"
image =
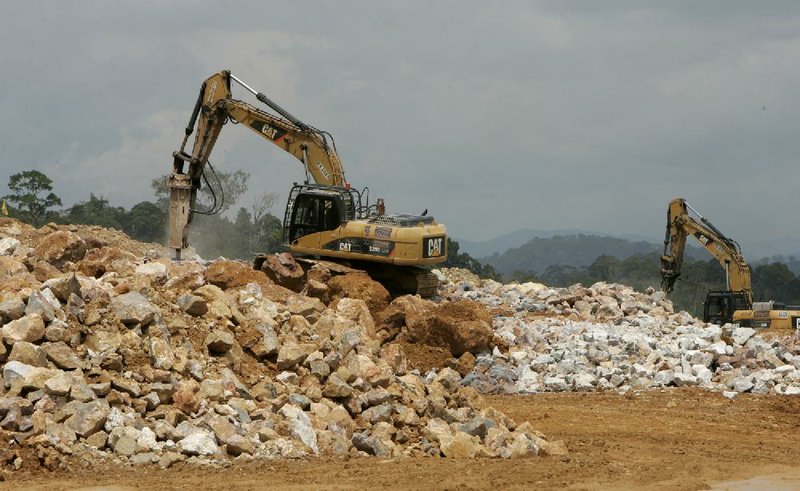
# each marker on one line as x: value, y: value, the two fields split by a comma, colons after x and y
x: 398, y: 280
x: 404, y: 280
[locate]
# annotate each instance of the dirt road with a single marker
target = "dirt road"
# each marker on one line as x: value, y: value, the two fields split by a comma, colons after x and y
x: 675, y: 439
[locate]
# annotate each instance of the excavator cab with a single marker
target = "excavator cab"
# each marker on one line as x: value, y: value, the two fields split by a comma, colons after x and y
x: 720, y: 306
x: 312, y: 209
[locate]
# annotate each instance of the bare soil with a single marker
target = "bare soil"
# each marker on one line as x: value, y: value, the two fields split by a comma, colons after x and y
x: 671, y: 439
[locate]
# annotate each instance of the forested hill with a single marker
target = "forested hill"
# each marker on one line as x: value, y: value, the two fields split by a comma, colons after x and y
x: 578, y: 250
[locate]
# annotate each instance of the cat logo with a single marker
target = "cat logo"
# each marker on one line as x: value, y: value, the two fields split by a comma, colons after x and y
x: 344, y: 246
x: 268, y: 130
x: 434, y: 247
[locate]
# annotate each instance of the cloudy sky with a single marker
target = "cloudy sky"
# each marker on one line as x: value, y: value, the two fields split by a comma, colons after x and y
x: 495, y: 116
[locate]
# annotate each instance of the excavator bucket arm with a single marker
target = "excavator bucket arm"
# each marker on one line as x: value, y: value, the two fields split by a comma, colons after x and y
x: 214, y: 108
x: 681, y: 224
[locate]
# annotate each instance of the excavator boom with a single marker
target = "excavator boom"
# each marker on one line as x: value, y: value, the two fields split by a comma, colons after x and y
x: 214, y: 108
x: 681, y: 224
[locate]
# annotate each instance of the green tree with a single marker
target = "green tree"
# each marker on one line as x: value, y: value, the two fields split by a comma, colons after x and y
x: 775, y: 281
x: 605, y: 268
x: 146, y: 221
x: 31, y: 196
x: 457, y: 259
x: 96, y: 211
x: 270, y: 234
x: 524, y: 276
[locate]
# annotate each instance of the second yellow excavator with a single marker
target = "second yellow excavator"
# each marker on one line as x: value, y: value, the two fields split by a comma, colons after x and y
x: 734, y: 304
x: 327, y: 219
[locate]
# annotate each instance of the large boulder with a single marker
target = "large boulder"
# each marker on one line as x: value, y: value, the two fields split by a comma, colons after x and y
x: 28, y: 353
x: 26, y: 376
x: 102, y: 260
x: 57, y: 248
x: 11, y: 309
x: 362, y: 287
x: 192, y: 304
x: 64, y: 286
x: 219, y: 341
x: 133, y: 309
x: 300, y: 426
x: 461, y: 327
x: 8, y: 245
x: 283, y: 270
x: 29, y: 328
x: 200, y: 442
x: 89, y: 417
x: 230, y: 274
x: 11, y: 266
x: 62, y: 355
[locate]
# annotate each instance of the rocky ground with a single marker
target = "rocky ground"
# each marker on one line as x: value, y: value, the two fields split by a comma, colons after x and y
x: 610, y: 337
x: 662, y: 439
x: 114, y: 355
x: 114, y: 352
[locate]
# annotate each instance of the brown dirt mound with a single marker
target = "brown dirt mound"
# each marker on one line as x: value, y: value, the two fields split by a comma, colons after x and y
x: 459, y: 327
x: 424, y: 357
x: 362, y: 287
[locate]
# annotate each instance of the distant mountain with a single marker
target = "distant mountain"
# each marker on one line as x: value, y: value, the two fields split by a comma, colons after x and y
x: 785, y: 247
x: 535, y: 249
x: 792, y: 262
x: 573, y: 249
x: 752, y: 249
x: 505, y: 242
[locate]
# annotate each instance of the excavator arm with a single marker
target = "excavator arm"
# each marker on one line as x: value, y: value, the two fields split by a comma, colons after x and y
x: 680, y: 224
x: 214, y: 108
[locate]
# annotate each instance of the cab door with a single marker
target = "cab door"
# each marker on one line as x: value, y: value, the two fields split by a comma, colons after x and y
x: 332, y: 220
x: 316, y: 220
x: 305, y: 223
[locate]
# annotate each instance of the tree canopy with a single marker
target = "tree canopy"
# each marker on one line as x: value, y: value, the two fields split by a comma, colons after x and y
x: 31, y: 196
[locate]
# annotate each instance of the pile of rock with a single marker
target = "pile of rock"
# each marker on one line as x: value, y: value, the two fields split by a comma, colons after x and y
x: 110, y: 349
x: 608, y: 336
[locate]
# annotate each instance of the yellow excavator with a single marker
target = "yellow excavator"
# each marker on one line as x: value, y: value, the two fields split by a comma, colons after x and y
x: 324, y: 220
x: 735, y: 304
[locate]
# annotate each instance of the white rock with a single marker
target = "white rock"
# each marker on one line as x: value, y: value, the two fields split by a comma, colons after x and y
x: 50, y: 297
x: 742, y: 334
x: 200, y: 442
x: 664, y: 378
x: 702, y: 373
x: 301, y: 426
x: 156, y: 270
x: 742, y: 384
x: 147, y: 440
x: 8, y: 245
x: 556, y: 384
x: 583, y: 382
x: 685, y: 380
